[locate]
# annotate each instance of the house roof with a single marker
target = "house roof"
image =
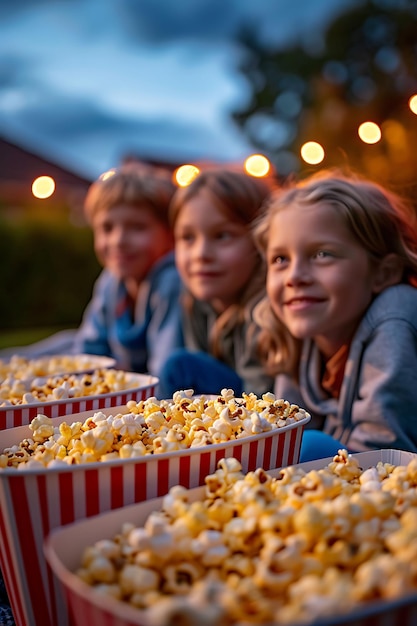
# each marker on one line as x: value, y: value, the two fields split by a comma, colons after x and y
x: 20, y: 165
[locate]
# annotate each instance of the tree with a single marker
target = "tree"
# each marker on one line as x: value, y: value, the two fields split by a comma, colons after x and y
x: 363, y: 67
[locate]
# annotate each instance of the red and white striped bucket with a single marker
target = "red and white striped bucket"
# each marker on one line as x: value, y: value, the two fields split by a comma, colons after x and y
x: 141, y: 386
x: 64, y: 548
x: 33, y: 502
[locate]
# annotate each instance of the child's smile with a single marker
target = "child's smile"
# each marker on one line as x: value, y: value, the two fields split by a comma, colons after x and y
x: 320, y: 279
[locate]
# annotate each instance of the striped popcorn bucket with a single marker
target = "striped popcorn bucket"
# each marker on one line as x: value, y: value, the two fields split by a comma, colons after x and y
x: 64, y: 548
x: 141, y: 386
x: 34, y: 502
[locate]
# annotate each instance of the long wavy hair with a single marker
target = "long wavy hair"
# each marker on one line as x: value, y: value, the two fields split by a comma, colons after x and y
x: 381, y: 221
x: 240, y: 198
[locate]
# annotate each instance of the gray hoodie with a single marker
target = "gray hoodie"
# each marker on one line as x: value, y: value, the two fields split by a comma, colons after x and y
x: 377, y: 407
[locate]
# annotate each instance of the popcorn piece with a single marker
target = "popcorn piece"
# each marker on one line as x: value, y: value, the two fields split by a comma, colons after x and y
x: 149, y: 426
x: 137, y: 579
x: 42, y: 428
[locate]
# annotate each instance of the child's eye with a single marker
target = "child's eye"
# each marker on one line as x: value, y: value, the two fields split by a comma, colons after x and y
x: 277, y: 259
x: 322, y: 254
x: 186, y: 237
x: 138, y: 227
x: 224, y: 235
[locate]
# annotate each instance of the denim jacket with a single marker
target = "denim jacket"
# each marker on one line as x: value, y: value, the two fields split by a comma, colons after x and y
x: 141, y: 344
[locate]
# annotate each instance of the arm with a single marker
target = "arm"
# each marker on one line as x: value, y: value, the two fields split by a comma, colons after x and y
x: 164, y: 333
x: 383, y: 411
x: 92, y: 335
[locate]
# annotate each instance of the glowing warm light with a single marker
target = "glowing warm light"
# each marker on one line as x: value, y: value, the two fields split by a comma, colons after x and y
x: 185, y: 174
x: 312, y: 152
x: 257, y: 165
x: 43, y: 187
x: 369, y: 132
x: 108, y: 174
x: 412, y: 103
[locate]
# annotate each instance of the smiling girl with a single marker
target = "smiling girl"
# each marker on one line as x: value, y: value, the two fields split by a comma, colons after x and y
x: 340, y: 317
x: 224, y: 277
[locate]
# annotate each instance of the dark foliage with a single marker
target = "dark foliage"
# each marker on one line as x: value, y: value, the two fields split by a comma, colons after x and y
x: 363, y: 67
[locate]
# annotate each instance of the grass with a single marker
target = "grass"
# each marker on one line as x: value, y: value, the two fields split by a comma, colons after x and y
x: 25, y: 336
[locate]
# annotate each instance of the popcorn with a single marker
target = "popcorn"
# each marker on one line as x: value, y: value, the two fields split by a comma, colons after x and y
x: 137, y: 579
x: 14, y: 391
x: 23, y: 368
x: 153, y: 426
x: 295, y: 548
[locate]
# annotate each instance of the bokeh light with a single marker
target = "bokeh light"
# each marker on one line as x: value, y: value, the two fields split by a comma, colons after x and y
x: 412, y: 103
x: 43, y: 187
x: 369, y: 132
x: 108, y: 174
x: 257, y: 165
x: 312, y: 152
x: 185, y: 174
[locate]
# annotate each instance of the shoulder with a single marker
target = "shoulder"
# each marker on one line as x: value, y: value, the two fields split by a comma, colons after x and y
x: 397, y: 303
x: 106, y: 281
x: 165, y: 263
x: 164, y: 275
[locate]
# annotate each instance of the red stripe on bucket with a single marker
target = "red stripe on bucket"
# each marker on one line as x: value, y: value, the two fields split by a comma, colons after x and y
x: 163, y: 477
x: 92, y: 500
x: 204, y: 467
x: 184, y: 473
x: 66, y: 497
x: 238, y: 452
x: 140, y: 482
x: 116, y: 493
x: 252, y: 457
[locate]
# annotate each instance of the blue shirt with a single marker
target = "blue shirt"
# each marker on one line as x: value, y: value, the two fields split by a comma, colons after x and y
x: 140, y: 342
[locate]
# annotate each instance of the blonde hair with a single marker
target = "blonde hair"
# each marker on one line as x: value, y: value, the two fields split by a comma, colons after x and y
x: 381, y: 221
x: 240, y: 197
x: 132, y: 184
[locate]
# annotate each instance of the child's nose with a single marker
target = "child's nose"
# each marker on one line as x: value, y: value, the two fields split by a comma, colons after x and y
x: 202, y: 247
x: 119, y: 235
x: 298, y: 272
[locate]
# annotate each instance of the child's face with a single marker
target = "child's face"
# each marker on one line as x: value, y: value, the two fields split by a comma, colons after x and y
x: 320, y: 279
x: 215, y: 256
x: 129, y: 240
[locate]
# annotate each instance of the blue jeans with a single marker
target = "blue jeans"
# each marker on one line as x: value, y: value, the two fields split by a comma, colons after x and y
x: 6, y: 615
x: 206, y: 375
x: 318, y: 445
x: 199, y: 371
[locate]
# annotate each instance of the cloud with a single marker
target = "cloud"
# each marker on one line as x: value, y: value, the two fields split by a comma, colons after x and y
x: 85, y: 81
x: 88, y: 140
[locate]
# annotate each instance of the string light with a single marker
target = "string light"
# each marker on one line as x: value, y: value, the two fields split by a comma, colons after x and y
x: 412, y: 103
x: 108, y: 174
x: 185, y: 174
x: 312, y: 152
x: 369, y: 132
x: 43, y: 187
x: 257, y: 165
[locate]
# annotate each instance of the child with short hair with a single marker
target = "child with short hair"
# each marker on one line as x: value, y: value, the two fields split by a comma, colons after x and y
x: 224, y: 277
x: 340, y: 317
x: 134, y: 315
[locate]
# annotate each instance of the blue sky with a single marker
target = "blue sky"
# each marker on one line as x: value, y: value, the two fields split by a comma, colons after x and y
x: 84, y: 82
